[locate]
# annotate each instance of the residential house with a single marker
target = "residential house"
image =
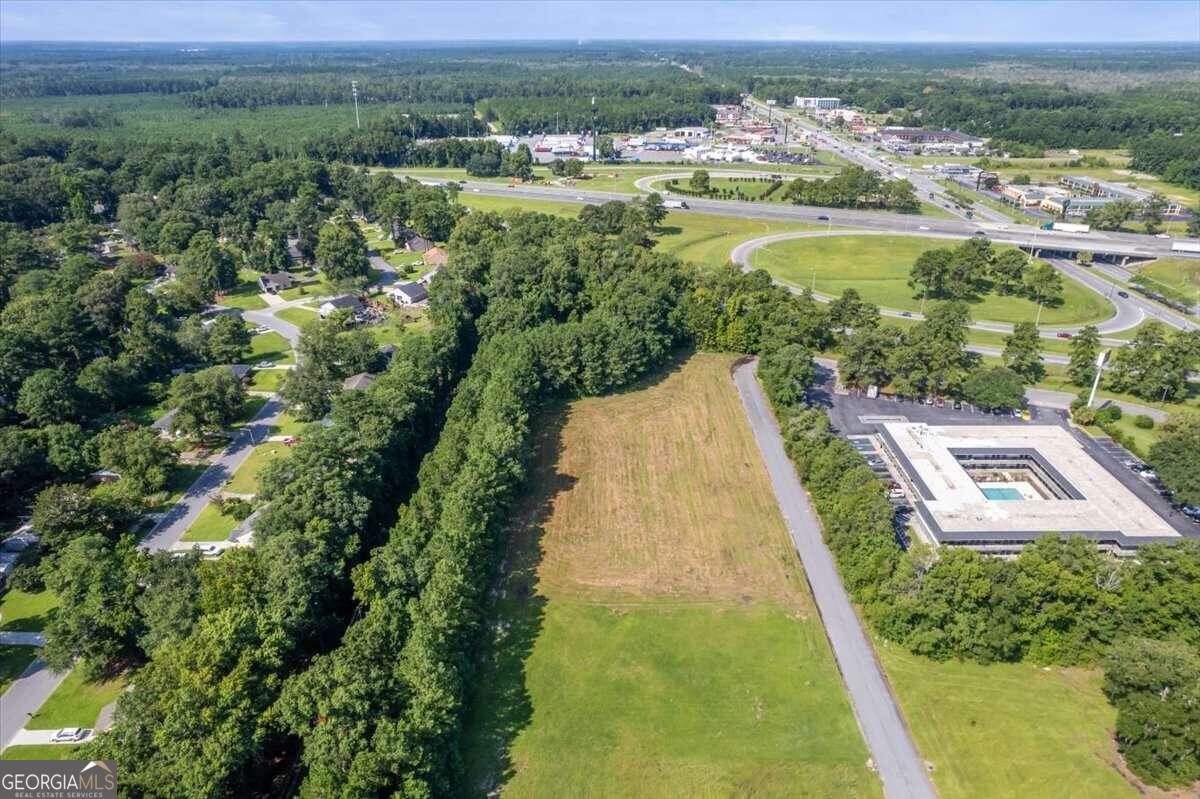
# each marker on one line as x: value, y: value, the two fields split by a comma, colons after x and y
x: 349, y: 302
x: 275, y: 282
x: 410, y: 240
x: 240, y: 371
x: 436, y: 256
x: 358, y: 382
x: 408, y: 293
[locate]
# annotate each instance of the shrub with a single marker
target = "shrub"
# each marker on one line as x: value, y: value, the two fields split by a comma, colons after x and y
x: 1143, y: 421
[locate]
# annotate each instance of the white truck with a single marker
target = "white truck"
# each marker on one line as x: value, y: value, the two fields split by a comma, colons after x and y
x: 1070, y: 227
x: 680, y: 204
x: 1186, y: 246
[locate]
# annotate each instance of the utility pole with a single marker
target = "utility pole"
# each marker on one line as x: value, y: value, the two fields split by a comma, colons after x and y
x: 594, y: 133
x: 354, y: 91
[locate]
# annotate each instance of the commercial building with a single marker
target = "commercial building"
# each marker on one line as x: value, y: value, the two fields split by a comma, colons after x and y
x: 997, y: 488
x: 931, y: 142
x: 1067, y: 205
x: 1093, y: 187
x: 728, y: 114
x: 814, y: 103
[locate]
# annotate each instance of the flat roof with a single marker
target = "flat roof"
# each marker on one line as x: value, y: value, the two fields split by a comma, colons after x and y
x: 1098, y: 505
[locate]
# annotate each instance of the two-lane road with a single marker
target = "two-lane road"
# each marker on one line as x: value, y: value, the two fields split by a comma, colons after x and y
x: 893, y: 752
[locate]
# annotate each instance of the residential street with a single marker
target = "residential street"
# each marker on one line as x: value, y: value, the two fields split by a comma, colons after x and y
x: 23, y: 698
x: 177, y: 520
x: 894, y: 754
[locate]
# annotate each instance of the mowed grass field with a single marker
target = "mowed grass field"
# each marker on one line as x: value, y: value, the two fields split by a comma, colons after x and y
x: 703, y: 239
x: 1009, y: 730
x: 879, y: 266
x: 652, y: 633
x: 1180, y: 274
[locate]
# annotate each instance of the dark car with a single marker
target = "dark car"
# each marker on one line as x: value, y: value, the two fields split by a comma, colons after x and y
x: 906, y: 313
x: 1064, y: 334
x: 823, y: 218
x: 1123, y: 294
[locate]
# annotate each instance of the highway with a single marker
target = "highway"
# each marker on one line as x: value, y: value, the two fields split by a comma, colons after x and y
x: 893, y: 752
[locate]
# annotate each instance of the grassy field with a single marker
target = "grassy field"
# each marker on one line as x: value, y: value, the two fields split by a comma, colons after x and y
x: 704, y: 239
x: 24, y: 612
x: 270, y: 347
x: 267, y: 379
x: 287, y: 425
x: 399, y: 324
x: 76, y: 702
x: 1181, y: 275
x: 245, y: 479
x: 878, y: 267
x: 1009, y: 730
x: 13, y: 662
x: 654, y: 633
x: 210, y: 525
x: 1142, y: 439
x: 39, y: 752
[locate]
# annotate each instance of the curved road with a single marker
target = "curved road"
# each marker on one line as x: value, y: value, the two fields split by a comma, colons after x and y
x: 893, y: 752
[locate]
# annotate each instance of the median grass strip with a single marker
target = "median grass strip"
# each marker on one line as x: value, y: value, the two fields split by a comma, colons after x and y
x: 1009, y: 729
x: 76, y: 702
x: 299, y: 316
x: 653, y: 634
x: 878, y: 268
x: 210, y: 525
x: 13, y: 662
x: 22, y: 611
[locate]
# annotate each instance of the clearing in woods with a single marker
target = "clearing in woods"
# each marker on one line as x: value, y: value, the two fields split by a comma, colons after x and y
x: 652, y: 632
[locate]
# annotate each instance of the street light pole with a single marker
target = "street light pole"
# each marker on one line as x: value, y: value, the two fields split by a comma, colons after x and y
x: 354, y: 91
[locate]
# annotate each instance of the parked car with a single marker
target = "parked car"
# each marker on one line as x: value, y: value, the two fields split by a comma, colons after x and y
x: 69, y: 735
x: 958, y: 405
x: 265, y: 364
x: 208, y: 550
x: 939, y: 403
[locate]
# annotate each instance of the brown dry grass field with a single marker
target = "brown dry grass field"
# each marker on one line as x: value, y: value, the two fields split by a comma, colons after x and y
x: 653, y: 634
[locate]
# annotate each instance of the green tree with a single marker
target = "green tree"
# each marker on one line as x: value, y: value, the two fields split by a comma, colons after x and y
x: 268, y: 249
x: 866, y: 356
x: 787, y: 373
x: 931, y: 271
x: 48, y: 396
x: 699, y: 181
x: 1085, y: 349
x: 1112, y: 215
x: 207, y: 401
x: 342, y: 251
x: 573, y: 167
x: 604, y: 148
x: 1008, y: 271
x: 849, y: 311
x: 138, y: 454
x: 1022, y: 352
x: 655, y: 211
x: 70, y: 449
x: 995, y: 387
x: 170, y: 600
x: 207, y: 265
x: 227, y: 339
x: 1176, y: 456
x: 96, y: 580
x: 1155, y: 686
x: 110, y: 382
x: 1043, y: 284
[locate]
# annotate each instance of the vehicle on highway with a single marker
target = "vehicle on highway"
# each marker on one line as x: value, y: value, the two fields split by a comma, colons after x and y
x: 1064, y: 334
x: 259, y: 330
x: 579, y: 199
x: 906, y: 313
x: 675, y: 204
x: 979, y: 233
x: 923, y: 227
x: 1123, y: 295
x: 69, y: 735
x: 1162, y: 235
x: 823, y: 218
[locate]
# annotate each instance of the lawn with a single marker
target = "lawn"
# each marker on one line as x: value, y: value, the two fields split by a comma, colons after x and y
x: 654, y: 632
x: 13, y: 662
x: 298, y: 316
x: 270, y: 347
x: 76, y: 702
x: 487, y: 202
x: 287, y: 425
x: 1009, y: 729
x: 1142, y: 439
x: 399, y: 324
x: 25, y: 612
x: 267, y: 379
x: 210, y: 525
x: 245, y: 479
x: 878, y: 267
x: 39, y: 752
x: 245, y: 294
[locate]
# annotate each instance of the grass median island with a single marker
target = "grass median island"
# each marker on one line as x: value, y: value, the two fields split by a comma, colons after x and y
x: 1009, y: 729
x: 76, y: 702
x: 1180, y: 275
x: 878, y: 268
x: 653, y: 632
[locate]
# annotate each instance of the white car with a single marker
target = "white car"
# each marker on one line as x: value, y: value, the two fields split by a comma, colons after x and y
x: 265, y: 364
x: 69, y: 735
x: 923, y: 227
x: 208, y: 550
x: 1162, y: 235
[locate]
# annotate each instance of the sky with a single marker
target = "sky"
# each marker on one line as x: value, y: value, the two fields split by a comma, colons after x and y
x: 447, y: 20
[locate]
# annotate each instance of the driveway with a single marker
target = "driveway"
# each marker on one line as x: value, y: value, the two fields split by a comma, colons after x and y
x: 22, y: 639
x: 171, y: 527
x: 893, y: 752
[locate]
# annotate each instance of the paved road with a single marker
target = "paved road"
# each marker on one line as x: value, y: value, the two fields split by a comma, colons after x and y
x: 24, y: 697
x: 9, y: 638
x: 166, y: 534
x: 1133, y: 305
x: 267, y: 318
x: 894, y: 754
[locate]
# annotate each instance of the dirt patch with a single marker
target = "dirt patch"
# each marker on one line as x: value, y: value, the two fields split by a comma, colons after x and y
x: 659, y: 493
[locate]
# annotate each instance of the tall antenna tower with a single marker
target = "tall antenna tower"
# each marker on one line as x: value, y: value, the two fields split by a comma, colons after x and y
x: 354, y: 91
